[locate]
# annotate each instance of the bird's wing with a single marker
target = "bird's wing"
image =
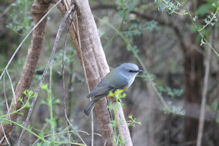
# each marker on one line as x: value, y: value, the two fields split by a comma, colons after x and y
x: 102, y: 89
x: 112, y: 81
x: 117, y: 80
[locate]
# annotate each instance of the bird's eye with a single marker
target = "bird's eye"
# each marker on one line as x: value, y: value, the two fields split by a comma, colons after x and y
x: 131, y: 71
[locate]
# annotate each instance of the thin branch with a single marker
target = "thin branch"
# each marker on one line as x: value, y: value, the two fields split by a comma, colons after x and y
x: 6, y: 10
x: 12, y: 87
x: 69, y: 123
x: 5, y: 96
x: 65, y: 110
x: 5, y: 136
x: 49, y: 63
x: 64, y: 87
x: 204, y: 94
x: 57, y: 134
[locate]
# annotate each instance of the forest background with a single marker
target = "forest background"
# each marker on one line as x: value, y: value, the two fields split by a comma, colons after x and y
x: 174, y: 103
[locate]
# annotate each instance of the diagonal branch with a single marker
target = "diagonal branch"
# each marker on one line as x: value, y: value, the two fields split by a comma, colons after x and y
x: 58, y: 36
x: 39, y: 9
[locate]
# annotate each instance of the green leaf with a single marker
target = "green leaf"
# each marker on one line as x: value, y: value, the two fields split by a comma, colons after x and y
x: 215, y: 105
x: 57, y: 101
x: 42, y: 102
x: 28, y: 106
x: 110, y: 106
x: 204, y: 9
x: 130, y: 117
x: 25, y: 92
x: 30, y: 93
x: 110, y: 94
x: 20, y: 99
x: 44, y: 87
x: 217, y: 120
x: 195, y: 27
x: 6, y: 122
x: 21, y: 113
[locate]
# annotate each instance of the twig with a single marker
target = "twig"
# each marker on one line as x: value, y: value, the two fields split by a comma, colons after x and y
x: 204, y: 94
x: 6, y: 10
x: 64, y: 87
x: 63, y: 64
x: 68, y: 121
x: 5, y: 136
x: 12, y: 87
x: 50, y: 103
x: 85, y: 73
x: 5, y: 96
x: 34, y: 143
x: 64, y: 53
x: 49, y: 63
x: 95, y: 133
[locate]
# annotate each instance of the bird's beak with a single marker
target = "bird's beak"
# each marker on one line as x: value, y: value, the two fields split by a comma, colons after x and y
x: 140, y: 71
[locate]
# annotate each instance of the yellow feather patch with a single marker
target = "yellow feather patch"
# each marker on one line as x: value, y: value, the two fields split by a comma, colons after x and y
x: 117, y: 92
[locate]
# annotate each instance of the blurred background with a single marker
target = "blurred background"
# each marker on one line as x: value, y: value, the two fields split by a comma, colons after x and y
x: 170, y: 40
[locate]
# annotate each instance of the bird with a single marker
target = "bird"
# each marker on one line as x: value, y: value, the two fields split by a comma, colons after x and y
x: 120, y: 77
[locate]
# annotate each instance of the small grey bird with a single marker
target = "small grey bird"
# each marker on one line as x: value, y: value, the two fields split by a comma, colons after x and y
x: 120, y: 77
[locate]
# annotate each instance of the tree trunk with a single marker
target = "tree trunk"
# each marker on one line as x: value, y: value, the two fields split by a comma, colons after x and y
x: 194, y: 73
x: 92, y: 57
x: 194, y: 76
x: 39, y: 9
x: 95, y: 64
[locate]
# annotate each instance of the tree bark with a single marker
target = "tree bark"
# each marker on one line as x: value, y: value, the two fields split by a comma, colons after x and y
x: 95, y: 63
x: 92, y: 57
x: 39, y: 9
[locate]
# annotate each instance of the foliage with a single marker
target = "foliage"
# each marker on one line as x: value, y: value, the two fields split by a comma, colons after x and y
x: 125, y: 7
x: 117, y: 140
x: 128, y: 28
x: 46, y: 139
x: 171, y: 92
x: 118, y: 95
x: 20, y: 20
x: 214, y: 107
x: 171, y: 6
x: 132, y: 121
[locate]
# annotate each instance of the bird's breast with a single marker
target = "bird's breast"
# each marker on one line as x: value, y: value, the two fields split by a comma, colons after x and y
x: 130, y: 81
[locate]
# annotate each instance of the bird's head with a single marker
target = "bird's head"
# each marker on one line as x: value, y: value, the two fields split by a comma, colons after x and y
x: 129, y: 69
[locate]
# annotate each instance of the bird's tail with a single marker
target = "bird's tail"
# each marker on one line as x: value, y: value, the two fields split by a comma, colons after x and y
x: 89, y: 107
